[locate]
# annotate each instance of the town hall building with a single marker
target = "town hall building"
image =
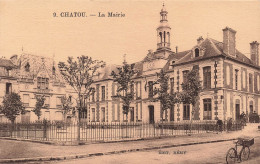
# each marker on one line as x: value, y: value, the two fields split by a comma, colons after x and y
x: 230, y: 81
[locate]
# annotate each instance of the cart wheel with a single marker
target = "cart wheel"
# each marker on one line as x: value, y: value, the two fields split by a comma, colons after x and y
x: 244, y: 153
x: 231, y: 156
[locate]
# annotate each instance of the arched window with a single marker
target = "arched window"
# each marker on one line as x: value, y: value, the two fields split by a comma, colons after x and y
x: 168, y: 35
x: 164, y: 35
x: 160, y: 33
x: 197, y: 52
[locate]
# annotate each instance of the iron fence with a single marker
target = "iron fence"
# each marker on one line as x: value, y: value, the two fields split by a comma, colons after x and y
x: 97, y: 131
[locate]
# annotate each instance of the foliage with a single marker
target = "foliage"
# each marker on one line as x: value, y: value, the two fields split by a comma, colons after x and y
x: 123, y: 76
x: 66, y: 104
x: 166, y: 99
x: 38, y: 106
x: 79, y: 75
x: 191, y: 89
x: 12, y: 106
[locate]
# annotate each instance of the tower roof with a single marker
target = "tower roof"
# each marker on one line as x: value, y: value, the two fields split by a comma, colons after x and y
x: 163, y: 8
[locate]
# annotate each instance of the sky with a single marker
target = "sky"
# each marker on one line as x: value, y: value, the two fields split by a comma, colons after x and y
x: 29, y: 26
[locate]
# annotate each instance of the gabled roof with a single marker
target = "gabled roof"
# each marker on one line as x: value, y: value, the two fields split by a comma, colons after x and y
x: 6, y: 63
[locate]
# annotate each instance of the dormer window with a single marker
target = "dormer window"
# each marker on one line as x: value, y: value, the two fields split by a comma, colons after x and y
x: 197, y: 52
x: 27, y: 67
x: 172, y: 63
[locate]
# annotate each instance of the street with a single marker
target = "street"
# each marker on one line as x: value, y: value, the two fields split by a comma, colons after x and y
x: 202, y: 153
x: 192, y: 153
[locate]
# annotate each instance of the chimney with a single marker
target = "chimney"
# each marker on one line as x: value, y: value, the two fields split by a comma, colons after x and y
x: 14, y: 59
x: 254, y: 52
x: 229, y: 41
x: 199, y: 40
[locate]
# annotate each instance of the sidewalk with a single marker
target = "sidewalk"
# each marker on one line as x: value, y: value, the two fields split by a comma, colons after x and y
x: 43, y: 152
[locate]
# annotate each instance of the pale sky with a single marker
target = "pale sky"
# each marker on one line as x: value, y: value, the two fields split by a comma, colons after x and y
x: 30, y: 24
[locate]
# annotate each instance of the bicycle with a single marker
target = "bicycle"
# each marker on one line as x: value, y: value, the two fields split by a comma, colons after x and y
x: 232, y: 154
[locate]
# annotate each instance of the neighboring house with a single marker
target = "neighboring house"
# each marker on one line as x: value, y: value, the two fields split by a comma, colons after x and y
x: 8, y: 82
x: 36, y: 76
x: 230, y: 81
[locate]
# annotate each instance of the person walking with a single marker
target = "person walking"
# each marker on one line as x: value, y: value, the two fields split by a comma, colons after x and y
x: 219, y: 125
x: 229, y: 125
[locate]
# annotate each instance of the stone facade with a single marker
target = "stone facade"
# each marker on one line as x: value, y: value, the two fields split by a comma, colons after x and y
x: 33, y: 76
x: 229, y: 79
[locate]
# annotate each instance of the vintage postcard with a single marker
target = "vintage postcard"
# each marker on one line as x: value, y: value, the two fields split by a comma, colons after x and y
x: 135, y: 81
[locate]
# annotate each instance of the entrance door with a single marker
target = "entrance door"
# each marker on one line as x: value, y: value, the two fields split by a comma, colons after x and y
x: 251, y: 109
x: 151, y: 114
x: 237, y: 111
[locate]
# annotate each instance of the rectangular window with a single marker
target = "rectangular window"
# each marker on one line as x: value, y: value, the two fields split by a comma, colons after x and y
x: 207, y: 77
x: 58, y: 102
x: 138, y: 90
x: 103, y: 90
x: 116, y: 112
x: 185, y: 74
x: 186, y: 111
x: 236, y: 79
x: 103, y: 114
x: 93, y: 115
x: 132, y: 113
x: 164, y: 115
x: 93, y: 96
x: 150, y: 87
x: 8, y: 88
x: 132, y: 89
x: 172, y: 113
x: 250, y: 82
x: 207, y: 112
x: 47, y: 102
x: 139, y: 111
x: 97, y: 92
x: 42, y: 83
x: 26, y: 100
x: 172, y: 85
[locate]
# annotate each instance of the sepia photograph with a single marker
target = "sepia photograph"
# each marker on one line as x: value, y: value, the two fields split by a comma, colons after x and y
x: 130, y: 82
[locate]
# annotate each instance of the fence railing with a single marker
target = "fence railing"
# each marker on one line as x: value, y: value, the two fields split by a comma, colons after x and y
x: 95, y: 131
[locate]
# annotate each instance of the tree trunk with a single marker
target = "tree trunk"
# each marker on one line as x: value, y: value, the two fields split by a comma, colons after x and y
x: 192, y: 115
x: 79, y: 109
x: 12, y: 128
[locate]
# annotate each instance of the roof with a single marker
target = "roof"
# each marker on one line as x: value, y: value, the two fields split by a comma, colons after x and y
x: 39, y: 66
x: 212, y: 48
x: 6, y: 63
